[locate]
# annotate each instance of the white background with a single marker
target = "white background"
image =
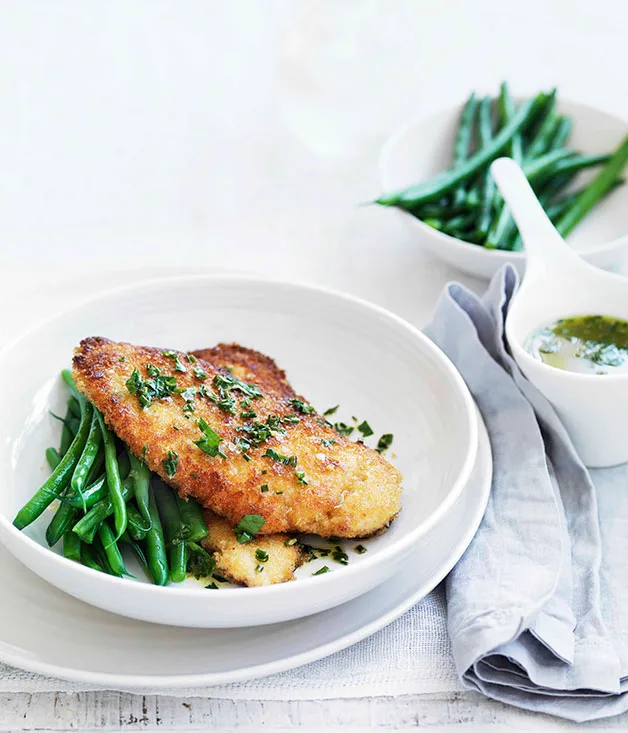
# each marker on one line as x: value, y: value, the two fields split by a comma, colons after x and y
x: 137, y: 135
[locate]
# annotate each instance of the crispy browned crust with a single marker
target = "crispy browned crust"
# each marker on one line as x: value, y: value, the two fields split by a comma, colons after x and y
x: 238, y: 562
x: 249, y: 366
x: 351, y: 491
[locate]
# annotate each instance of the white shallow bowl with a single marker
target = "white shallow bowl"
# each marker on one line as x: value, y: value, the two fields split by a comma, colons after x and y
x: 335, y: 349
x: 423, y: 148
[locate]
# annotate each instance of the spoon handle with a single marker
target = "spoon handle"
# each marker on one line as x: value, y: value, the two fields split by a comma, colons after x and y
x: 544, y: 247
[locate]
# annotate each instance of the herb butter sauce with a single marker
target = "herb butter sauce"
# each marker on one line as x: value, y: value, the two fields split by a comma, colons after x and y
x: 585, y: 344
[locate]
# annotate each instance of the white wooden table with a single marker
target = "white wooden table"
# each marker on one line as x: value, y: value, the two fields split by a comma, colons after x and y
x: 198, y: 134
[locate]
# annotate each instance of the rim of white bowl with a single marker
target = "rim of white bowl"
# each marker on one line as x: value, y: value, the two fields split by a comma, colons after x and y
x: 404, y: 129
x: 279, y: 589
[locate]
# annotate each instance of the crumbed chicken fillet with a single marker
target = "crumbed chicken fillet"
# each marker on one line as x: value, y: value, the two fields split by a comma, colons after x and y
x: 319, y: 482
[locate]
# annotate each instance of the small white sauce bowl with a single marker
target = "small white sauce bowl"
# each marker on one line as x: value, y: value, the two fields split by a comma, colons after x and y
x: 335, y: 348
x: 423, y: 148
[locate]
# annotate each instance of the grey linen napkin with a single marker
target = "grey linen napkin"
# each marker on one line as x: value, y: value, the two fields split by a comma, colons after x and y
x: 538, y: 605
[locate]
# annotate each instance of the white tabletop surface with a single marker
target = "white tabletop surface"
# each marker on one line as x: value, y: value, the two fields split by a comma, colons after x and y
x: 141, y: 137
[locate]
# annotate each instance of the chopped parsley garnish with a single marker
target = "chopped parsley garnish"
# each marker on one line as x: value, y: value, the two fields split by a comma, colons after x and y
x: 200, y: 373
x: 287, y: 460
x: 302, y: 407
x: 264, y: 488
x: 259, y: 568
x: 178, y: 366
x: 343, y: 428
x: 360, y: 549
x: 301, y: 477
x: 175, y: 427
x: 291, y: 420
x: 188, y: 394
x: 339, y: 555
x: 171, y: 463
x: 200, y: 563
x: 158, y: 387
x: 229, y: 383
x: 264, y: 472
x: 261, y: 555
x: 331, y: 410
x: 290, y: 542
x: 326, y: 423
x: 212, y: 586
x: 152, y: 370
x: 210, y: 442
x: 365, y: 429
x: 322, y: 571
x: 191, y: 359
x: 327, y: 443
x: 384, y: 442
x: 123, y: 358
x: 245, y: 414
x: 248, y: 527
x: 278, y: 492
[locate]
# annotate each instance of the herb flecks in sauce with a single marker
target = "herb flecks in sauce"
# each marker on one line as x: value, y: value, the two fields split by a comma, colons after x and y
x: 591, y: 344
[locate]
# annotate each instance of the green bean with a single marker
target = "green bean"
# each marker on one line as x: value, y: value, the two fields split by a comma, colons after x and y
x: 141, y: 478
x: 137, y: 549
x: 463, y: 141
x: 192, y: 516
x: 73, y: 404
x: 488, y: 186
x: 458, y: 224
x: 53, y: 457
x: 506, y: 106
x: 88, y: 558
x: 112, y: 551
x: 571, y: 164
x: 595, y: 191
x: 137, y: 526
x: 174, y: 528
x: 86, y: 461
x: 69, y: 429
x: 545, y: 165
x: 87, y: 527
x: 62, y: 522
x: 113, y: 477
x: 447, y: 181
x: 434, y: 223
x: 562, y: 133
x: 59, y: 478
x: 543, y: 134
x: 464, y: 134
x: 156, y: 545
x: 94, y: 493
x: 71, y: 546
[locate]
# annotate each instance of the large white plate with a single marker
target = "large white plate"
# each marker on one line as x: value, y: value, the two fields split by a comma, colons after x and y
x: 46, y: 631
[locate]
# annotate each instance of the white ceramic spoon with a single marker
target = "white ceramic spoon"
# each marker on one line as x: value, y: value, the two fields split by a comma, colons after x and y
x: 557, y: 284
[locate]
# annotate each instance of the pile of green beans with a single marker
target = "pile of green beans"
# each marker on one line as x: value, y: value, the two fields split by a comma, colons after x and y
x: 108, y: 500
x: 463, y: 201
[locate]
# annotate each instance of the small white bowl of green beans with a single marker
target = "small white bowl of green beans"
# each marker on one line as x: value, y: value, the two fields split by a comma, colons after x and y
x: 435, y: 175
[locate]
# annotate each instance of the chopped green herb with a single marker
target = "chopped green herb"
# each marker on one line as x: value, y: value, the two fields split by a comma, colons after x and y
x: 384, y: 442
x: 123, y: 358
x: 157, y: 388
x: 301, y: 406
x: 229, y: 383
x: 194, y: 475
x: 248, y: 527
x: 210, y: 442
x: 178, y: 366
x: 287, y: 460
x: 291, y: 420
x: 152, y: 370
x: 144, y: 449
x: 301, y: 477
x: 331, y: 410
x: 171, y: 463
x: 290, y: 542
x: 343, y: 428
x: 264, y: 472
x: 326, y: 423
x: 200, y: 373
x: 212, y: 586
x: 264, y: 488
x: 259, y: 568
x: 261, y: 555
x: 246, y: 457
x: 360, y: 549
x: 278, y: 492
x: 365, y: 429
x: 191, y: 359
x: 200, y: 563
x: 322, y: 570
x: 339, y: 555
x: 188, y: 394
x: 327, y: 443
x: 174, y: 427
x: 245, y: 414
x: 245, y: 402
